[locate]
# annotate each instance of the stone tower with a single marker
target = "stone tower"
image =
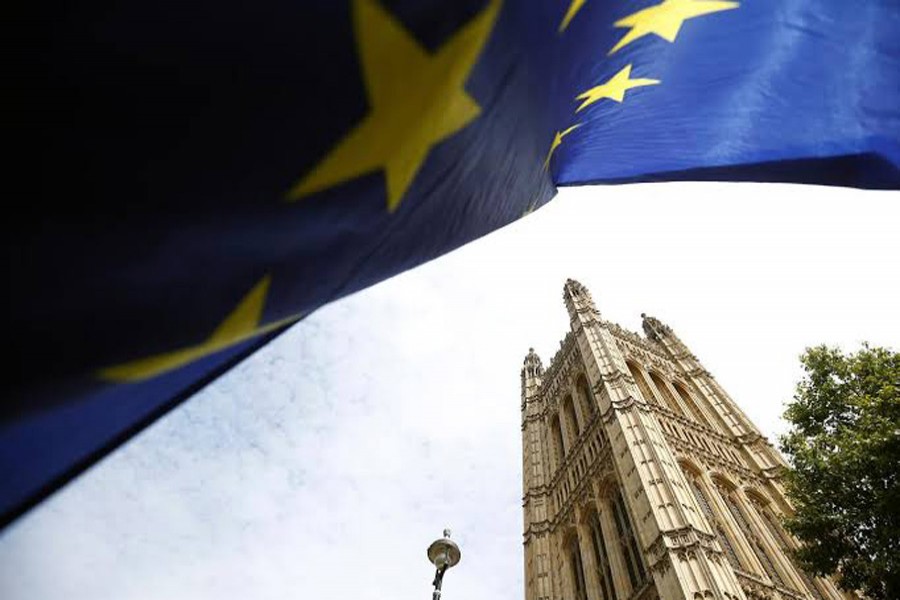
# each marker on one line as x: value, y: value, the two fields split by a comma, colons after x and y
x: 642, y: 477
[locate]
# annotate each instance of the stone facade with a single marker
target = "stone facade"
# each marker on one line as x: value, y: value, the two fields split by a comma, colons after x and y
x: 642, y: 477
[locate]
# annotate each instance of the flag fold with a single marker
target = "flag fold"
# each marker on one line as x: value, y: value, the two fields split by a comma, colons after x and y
x: 193, y: 179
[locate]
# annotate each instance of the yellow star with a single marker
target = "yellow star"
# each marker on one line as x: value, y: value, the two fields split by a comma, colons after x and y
x: 666, y: 18
x: 240, y: 325
x: 557, y: 140
x: 574, y: 7
x: 416, y: 99
x: 614, y: 89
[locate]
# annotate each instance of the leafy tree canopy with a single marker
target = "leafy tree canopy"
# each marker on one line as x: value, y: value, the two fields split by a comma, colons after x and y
x: 844, y: 446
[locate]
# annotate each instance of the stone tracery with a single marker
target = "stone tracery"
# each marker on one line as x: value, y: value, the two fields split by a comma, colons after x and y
x: 623, y: 439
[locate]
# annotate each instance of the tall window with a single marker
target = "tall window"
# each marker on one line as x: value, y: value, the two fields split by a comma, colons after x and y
x: 752, y: 539
x: 638, y: 377
x: 571, y: 417
x: 781, y: 537
x: 701, y: 500
x: 601, y: 559
x: 588, y: 401
x: 730, y: 554
x: 559, y: 440
x: 774, y: 527
x: 628, y: 543
x: 692, y: 406
x: 666, y: 394
x: 577, y: 569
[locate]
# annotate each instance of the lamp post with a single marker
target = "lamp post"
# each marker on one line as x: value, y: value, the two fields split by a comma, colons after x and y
x: 443, y: 554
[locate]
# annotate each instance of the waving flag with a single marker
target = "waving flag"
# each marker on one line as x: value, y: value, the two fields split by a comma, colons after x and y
x: 196, y: 177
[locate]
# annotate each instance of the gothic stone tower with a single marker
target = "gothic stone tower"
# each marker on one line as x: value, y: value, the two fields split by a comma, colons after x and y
x: 642, y: 477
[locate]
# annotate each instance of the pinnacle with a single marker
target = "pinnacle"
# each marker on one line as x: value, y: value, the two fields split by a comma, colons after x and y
x: 532, y: 357
x: 573, y: 287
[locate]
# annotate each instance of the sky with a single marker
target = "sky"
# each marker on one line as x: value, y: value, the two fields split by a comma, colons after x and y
x: 325, y: 464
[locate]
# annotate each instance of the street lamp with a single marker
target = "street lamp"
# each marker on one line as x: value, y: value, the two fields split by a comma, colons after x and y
x: 443, y: 554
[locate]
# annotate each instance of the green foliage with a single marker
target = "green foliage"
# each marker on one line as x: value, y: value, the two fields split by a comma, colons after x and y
x: 844, y: 446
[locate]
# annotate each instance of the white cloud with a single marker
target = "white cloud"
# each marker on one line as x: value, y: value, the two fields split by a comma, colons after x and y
x: 327, y: 463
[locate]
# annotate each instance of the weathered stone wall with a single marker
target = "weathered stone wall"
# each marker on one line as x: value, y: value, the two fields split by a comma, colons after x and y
x: 643, y: 479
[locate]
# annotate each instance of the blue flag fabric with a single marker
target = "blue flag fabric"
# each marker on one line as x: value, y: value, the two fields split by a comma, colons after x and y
x: 764, y: 90
x: 195, y: 178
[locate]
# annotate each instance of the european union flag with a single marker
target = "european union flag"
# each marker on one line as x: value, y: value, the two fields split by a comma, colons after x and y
x: 195, y: 177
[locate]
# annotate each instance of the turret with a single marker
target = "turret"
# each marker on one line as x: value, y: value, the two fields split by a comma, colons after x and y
x: 655, y: 329
x: 659, y: 332
x: 579, y: 303
x: 532, y: 371
x: 532, y: 448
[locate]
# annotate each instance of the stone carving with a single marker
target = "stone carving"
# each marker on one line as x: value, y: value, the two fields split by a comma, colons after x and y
x: 615, y: 475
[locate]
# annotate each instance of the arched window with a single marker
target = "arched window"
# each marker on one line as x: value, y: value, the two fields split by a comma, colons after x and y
x: 730, y: 554
x: 571, y: 417
x: 577, y: 568
x: 559, y: 440
x: 752, y: 539
x: 702, y: 500
x: 696, y: 413
x: 781, y: 538
x: 601, y: 559
x: 638, y: 377
x: 774, y: 527
x: 628, y: 543
x: 587, y: 397
x: 666, y: 394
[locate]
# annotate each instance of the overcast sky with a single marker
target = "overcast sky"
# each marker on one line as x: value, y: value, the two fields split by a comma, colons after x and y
x: 323, y: 466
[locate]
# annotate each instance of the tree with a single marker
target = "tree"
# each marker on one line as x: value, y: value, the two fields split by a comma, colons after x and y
x: 844, y: 448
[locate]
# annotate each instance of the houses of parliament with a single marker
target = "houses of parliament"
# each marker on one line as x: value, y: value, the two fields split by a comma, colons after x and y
x: 643, y: 479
